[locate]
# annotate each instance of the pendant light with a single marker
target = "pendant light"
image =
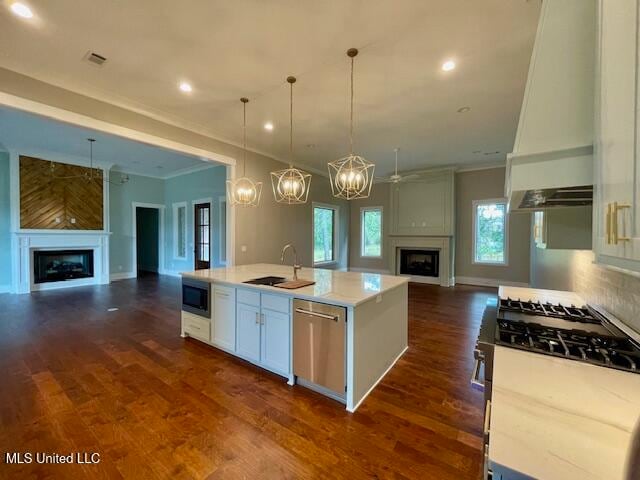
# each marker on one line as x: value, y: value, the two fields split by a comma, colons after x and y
x: 291, y: 185
x: 244, y: 191
x: 351, y: 176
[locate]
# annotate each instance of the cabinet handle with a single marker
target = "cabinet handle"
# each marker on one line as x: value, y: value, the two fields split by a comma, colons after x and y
x: 257, y: 318
x: 608, y: 224
x: 262, y: 319
x: 614, y: 213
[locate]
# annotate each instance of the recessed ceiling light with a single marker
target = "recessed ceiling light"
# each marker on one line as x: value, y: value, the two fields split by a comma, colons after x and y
x: 448, y: 65
x: 464, y: 109
x: 185, y: 87
x: 21, y: 10
x: 268, y: 126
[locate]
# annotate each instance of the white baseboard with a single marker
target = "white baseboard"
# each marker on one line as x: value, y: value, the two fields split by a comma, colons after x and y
x: 488, y: 282
x: 170, y: 273
x: 114, y: 277
x: 5, y: 288
x: 370, y: 270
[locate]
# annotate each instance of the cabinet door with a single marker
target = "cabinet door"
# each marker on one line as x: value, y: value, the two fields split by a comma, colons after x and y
x: 615, y: 126
x: 248, y: 331
x: 275, y: 341
x: 224, y: 318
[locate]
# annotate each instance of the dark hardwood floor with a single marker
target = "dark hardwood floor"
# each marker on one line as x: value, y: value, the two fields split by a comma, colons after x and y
x: 80, y: 378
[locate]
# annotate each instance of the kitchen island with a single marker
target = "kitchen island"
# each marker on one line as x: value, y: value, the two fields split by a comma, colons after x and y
x: 256, y: 323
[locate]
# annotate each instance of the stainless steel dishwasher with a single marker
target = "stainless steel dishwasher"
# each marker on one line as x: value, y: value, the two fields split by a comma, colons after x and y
x: 319, y: 347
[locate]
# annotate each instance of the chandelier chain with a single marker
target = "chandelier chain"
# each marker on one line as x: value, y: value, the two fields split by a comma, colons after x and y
x: 244, y: 138
x: 351, y: 116
x: 291, y: 125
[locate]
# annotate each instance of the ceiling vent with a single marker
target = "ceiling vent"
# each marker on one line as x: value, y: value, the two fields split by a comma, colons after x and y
x: 95, y: 58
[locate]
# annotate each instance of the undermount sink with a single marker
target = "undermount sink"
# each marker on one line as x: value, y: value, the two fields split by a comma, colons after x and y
x: 271, y: 281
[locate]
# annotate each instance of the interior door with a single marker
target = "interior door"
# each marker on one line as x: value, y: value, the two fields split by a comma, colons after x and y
x: 202, y: 235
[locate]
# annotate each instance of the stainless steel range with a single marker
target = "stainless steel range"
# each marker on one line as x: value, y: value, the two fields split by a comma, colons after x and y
x: 575, y: 333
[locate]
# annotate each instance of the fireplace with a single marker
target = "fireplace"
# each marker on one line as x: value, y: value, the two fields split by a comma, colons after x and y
x: 59, y: 265
x: 420, y: 262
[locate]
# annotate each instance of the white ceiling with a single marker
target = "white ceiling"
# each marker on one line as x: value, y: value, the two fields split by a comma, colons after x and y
x: 228, y: 49
x: 38, y: 135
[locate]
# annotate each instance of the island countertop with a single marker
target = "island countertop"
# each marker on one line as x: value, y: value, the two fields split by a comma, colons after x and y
x: 332, y: 286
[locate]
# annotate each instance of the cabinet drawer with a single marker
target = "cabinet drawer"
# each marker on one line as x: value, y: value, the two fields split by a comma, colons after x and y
x: 196, y: 327
x: 224, y: 293
x: 276, y: 303
x: 249, y: 297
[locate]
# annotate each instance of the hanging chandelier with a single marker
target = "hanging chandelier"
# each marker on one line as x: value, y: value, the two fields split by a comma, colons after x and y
x: 244, y: 190
x: 90, y: 176
x: 291, y: 185
x: 351, y: 176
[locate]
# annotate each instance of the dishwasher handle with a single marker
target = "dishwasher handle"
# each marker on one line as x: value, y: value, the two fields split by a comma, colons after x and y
x: 317, y: 314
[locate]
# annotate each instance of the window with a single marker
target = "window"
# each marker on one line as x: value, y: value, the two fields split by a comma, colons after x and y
x: 490, y: 232
x: 180, y: 231
x: 371, y: 232
x: 324, y: 233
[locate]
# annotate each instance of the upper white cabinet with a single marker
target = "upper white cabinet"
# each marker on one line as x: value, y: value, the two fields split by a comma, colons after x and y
x: 223, y: 323
x: 423, y: 206
x: 617, y: 166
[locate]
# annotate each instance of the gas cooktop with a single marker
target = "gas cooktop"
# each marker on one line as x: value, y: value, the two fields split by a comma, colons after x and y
x: 587, y: 346
x: 571, y: 313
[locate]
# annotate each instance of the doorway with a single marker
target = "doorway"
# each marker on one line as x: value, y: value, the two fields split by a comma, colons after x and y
x: 147, y: 253
x: 147, y: 244
x: 202, y: 235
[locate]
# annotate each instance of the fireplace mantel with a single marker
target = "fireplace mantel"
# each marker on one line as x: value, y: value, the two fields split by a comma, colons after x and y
x: 442, y: 244
x: 25, y: 242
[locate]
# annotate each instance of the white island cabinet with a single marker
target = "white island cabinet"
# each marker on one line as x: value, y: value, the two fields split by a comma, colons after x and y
x: 255, y: 322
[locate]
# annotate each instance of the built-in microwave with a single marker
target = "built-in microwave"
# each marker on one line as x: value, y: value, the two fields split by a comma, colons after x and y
x: 196, y: 297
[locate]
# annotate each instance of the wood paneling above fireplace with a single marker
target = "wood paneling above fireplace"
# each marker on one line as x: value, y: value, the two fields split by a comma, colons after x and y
x: 45, y: 197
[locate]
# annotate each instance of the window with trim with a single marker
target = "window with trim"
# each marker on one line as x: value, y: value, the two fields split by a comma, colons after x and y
x: 371, y: 232
x: 180, y: 231
x: 325, y: 219
x: 490, y: 232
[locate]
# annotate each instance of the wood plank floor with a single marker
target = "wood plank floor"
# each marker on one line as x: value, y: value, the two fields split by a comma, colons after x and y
x: 79, y: 378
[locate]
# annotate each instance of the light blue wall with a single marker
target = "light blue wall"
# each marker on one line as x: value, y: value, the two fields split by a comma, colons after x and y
x: 209, y: 183
x: 137, y: 189
x: 5, y: 224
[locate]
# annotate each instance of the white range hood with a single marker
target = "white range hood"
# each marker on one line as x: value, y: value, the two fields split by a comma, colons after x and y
x: 553, y: 149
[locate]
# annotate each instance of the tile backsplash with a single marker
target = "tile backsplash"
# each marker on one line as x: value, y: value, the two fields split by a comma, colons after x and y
x: 617, y: 292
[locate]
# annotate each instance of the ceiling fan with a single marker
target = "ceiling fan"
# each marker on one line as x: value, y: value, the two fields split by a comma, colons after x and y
x: 395, y: 178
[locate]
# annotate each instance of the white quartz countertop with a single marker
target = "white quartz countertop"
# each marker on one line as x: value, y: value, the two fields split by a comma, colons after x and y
x: 553, y: 418
x: 332, y: 286
x: 541, y: 295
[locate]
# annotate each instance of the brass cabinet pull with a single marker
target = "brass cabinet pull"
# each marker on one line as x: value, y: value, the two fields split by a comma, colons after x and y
x: 614, y: 215
x: 608, y: 224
